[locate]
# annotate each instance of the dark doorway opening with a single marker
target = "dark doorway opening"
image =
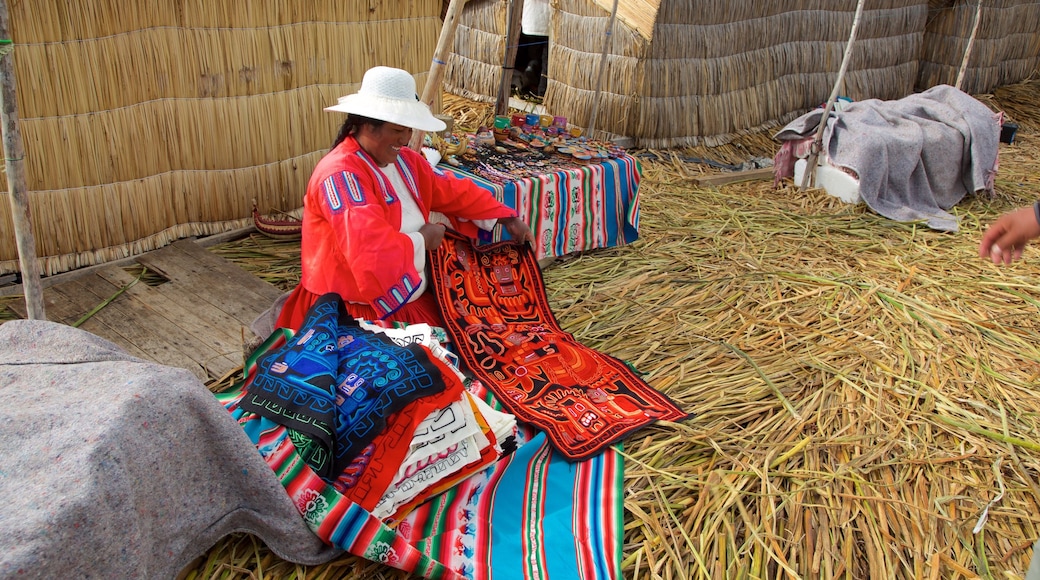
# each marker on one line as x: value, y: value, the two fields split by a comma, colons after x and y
x: 532, y: 62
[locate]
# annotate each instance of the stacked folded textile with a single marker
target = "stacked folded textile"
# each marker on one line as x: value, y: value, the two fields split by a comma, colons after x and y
x: 380, y: 414
x: 450, y: 444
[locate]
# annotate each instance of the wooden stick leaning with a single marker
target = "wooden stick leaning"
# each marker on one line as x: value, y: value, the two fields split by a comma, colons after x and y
x: 440, y: 60
x: 514, y: 19
x: 810, y: 167
x: 14, y: 163
x: 971, y: 43
x: 608, y: 35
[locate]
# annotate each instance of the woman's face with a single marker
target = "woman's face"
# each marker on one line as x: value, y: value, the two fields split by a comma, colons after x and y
x: 383, y: 142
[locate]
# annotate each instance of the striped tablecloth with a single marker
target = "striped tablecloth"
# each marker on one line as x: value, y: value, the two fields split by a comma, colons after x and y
x: 574, y: 209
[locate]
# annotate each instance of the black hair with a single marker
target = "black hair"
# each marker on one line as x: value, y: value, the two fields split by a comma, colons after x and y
x: 351, y: 126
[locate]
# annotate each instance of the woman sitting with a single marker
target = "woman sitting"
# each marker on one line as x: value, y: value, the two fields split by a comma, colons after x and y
x: 366, y: 218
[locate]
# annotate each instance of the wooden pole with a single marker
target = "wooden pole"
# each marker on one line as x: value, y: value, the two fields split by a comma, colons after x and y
x: 440, y: 60
x: 14, y: 163
x: 971, y: 42
x: 810, y: 167
x: 608, y: 35
x: 514, y: 18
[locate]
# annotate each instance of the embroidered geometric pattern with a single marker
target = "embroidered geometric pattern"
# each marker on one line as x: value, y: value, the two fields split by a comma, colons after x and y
x: 336, y: 383
x: 396, y: 297
x: 341, y: 183
x: 388, y: 195
x: 494, y: 306
x: 409, y: 179
x: 354, y: 192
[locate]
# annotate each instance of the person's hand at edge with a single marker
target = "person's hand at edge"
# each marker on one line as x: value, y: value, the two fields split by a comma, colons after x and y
x: 517, y: 229
x: 433, y: 235
x: 1006, y: 238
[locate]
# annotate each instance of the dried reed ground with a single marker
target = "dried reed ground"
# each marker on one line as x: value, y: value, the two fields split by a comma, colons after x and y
x: 863, y: 390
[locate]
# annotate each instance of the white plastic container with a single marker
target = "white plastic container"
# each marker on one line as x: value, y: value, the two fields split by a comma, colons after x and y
x: 831, y: 179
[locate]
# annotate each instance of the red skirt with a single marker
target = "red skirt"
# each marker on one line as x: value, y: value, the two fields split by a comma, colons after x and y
x: 422, y: 309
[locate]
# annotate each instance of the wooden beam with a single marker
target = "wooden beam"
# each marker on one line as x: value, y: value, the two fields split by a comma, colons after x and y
x: 810, y: 168
x: 14, y: 162
x: 608, y: 35
x: 513, y: 20
x: 206, y: 242
x: 724, y: 178
x: 971, y: 42
x: 440, y: 60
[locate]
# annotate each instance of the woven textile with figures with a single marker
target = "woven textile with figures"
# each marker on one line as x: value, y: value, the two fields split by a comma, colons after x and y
x: 494, y: 306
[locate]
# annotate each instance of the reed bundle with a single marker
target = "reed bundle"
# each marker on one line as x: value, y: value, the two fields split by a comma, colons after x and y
x: 639, y: 15
x: 1017, y: 101
x: 148, y: 123
x: 469, y: 115
x: 864, y: 390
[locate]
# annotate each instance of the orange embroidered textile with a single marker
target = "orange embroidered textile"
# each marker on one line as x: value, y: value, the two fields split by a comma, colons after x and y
x: 494, y: 307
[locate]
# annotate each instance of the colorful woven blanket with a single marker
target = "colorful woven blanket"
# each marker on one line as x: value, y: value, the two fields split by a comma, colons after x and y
x: 570, y: 209
x: 494, y: 306
x: 535, y: 514
x: 531, y: 514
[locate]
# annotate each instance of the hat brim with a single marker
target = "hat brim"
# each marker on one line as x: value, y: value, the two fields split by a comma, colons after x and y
x: 412, y: 114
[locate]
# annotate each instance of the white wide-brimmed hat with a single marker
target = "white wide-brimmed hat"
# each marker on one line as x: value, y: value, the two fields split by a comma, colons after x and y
x: 388, y: 94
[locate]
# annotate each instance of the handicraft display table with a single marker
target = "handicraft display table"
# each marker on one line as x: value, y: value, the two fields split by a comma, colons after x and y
x: 570, y: 205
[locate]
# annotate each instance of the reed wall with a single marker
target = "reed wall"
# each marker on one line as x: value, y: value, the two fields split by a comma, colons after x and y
x: 145, y: 122
x: 575, y: 50
x: 708, y: 71
x: 707, y: 89
x: 474, y: 68
x: 1006, y: 47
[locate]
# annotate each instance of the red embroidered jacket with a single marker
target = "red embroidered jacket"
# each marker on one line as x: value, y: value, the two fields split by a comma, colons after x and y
x: 352, y: 242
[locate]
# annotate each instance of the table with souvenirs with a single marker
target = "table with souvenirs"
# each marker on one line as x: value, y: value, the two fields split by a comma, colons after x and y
x: 575, y: 193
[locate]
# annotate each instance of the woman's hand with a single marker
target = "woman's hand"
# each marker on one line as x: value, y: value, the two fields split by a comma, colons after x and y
x: 1005, y: 239
x: 517, y: 229
x: 433, y: 234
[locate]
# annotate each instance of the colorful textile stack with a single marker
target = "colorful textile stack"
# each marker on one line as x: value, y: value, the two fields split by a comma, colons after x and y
x: 374, y: 412
x: 535, y: 514
x: 532, y: 512
x: 450, y: 444
x: 333, y: 518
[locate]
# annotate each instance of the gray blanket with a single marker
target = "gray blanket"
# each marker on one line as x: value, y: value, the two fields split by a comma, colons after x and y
x: 915, y: 157
x: 114, y: 467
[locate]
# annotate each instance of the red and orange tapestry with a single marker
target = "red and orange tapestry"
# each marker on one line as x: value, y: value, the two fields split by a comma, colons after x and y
x: 494, y: 306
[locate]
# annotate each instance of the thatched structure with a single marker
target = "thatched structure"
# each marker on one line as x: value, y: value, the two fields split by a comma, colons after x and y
x: 685, y: 73
x: 145, y: 122
x: 149, y: 122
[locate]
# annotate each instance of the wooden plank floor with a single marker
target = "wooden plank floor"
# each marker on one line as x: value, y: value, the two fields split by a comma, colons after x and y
x: 198, y: 319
